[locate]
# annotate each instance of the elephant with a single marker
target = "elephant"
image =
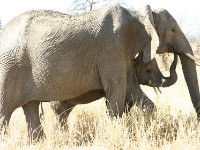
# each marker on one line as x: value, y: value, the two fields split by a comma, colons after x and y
x: 149, y: 73
x: 146, y: 74
x: 50, y: 56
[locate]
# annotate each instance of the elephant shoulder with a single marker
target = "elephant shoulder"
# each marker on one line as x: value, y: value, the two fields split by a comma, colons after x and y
x: 117, y: 15
x: 117, y: 12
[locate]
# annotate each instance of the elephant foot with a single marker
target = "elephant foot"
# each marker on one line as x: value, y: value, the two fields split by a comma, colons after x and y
x: 150, y: 108
x: 4, y: 120
x: 147, y: 106
x: 3, y: 125
x: 37, y: 135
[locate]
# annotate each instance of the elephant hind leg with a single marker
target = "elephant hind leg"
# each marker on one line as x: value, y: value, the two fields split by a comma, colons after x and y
x: 5, y: 115
x: 4, y: 120
x: 31, y: 111
x: 62, y: 110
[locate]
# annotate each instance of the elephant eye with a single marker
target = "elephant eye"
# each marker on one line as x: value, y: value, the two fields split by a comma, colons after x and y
x: 173, y: 30
x: 148, y: 71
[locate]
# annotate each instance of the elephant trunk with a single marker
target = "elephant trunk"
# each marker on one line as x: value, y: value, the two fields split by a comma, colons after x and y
x: 183, y: 47
x: 190, y: 74
x: 168, y: 81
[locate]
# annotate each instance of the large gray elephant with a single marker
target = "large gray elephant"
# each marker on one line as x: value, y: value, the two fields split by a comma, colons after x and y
x: 146, y: 74
x: 47, y: 55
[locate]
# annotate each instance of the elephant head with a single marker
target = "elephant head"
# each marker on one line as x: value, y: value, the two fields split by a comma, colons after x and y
x: 173, y: 40
x: 150, y: 74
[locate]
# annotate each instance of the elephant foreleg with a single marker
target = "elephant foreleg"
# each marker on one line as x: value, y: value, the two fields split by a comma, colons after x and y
x: 116, y: 100
x: 146, y: 104
x: 31, y: 111
x: 138, y: 97
x: 135, y: 95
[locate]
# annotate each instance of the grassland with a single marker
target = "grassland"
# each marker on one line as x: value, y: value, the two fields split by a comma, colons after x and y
x: 174, y: 126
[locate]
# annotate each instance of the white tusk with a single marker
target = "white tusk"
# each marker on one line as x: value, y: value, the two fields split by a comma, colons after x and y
x: 155, y: 90
x: 190, y: 56
x: 159, y: 90
x: 197, y: 63
x: 193, y: 58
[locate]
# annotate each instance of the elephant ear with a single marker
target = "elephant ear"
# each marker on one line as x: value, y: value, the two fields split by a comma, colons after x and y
x: 152, y: 46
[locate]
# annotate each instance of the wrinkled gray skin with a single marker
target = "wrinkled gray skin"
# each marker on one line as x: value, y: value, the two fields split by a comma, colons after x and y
x: 146, y: 74
x: 46, y: 56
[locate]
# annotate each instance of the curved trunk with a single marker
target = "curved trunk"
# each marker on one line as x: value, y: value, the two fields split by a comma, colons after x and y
x: 168, y: 81
x: 190, y: 74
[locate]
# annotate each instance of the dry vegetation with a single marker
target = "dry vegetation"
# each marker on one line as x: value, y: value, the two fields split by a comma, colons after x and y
x: 174, y: 125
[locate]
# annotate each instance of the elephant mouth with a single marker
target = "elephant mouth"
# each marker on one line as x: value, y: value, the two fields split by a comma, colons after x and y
x: 151, y: 83
x: 171, y: 47
x: 168, y: 47
x: 163, y: 81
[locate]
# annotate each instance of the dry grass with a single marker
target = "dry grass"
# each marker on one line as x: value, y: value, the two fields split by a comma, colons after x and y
x: 174, y: 126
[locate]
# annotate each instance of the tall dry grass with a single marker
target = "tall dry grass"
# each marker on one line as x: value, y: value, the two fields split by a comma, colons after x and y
x: 174, y: 126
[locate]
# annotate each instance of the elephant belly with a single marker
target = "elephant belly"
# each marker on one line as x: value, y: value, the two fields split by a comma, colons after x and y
x: 88, y: 97
x: 64, y: 84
